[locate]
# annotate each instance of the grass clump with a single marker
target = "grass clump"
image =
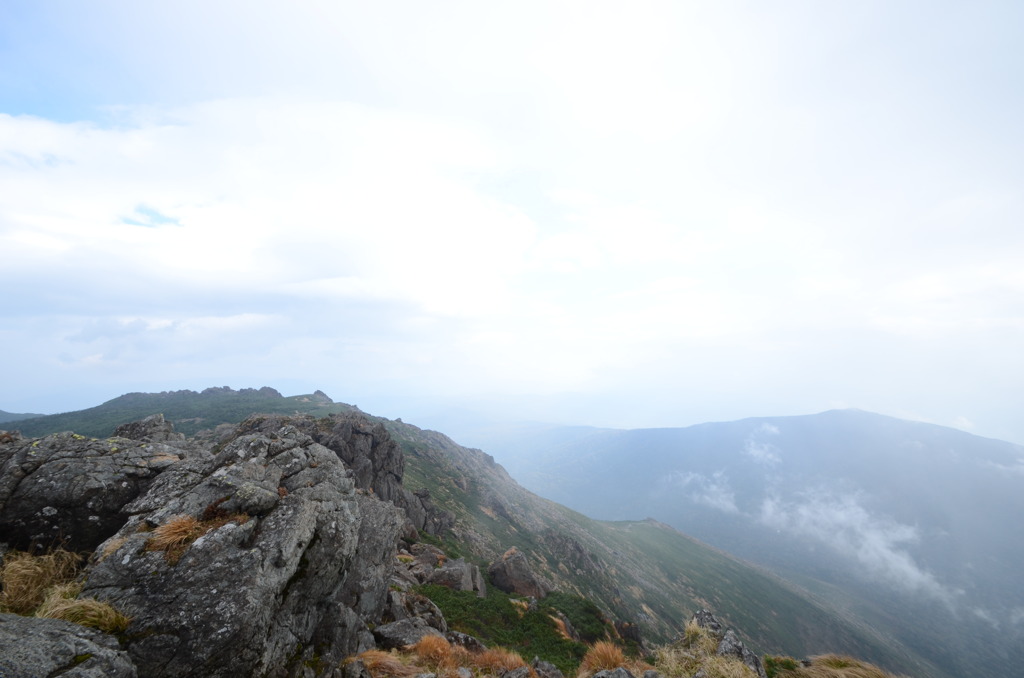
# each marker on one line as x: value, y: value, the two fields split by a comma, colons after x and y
x: 697, y: 651
x: 26, y: 578
x: 44, y: 586
x: 177, y: 534
x: 62, y: 602
x: 383, y: 664
x: 601, y: 656
x: 498, y: 660
x: 835, y: 666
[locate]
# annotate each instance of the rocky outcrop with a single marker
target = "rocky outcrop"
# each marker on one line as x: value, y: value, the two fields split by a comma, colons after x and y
x: 374, y: 458
x: 41, y: 648
x: 68, y: 489
x: 729, y: 644
x: 403, y: 633
x: 287, y: 562
x: 152, y: 429
x: 512, y: 573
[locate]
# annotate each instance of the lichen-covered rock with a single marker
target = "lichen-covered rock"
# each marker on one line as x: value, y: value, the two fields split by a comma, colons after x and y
x: 70, y: 489
x: 373, y: 457
x: 403, y: 633
x: 291, y: 564
x: 41, y: 648
x: 545, y: 669
x: 152, y: 429
x: 458, y: 575
x: 512, y: 573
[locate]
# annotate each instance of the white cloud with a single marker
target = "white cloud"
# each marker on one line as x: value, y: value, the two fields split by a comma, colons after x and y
x: 710, y: 490
x: 760, y: 450
x: 877, y: 543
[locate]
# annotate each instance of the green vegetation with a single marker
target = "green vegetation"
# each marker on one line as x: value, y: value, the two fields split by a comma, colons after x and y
x: 501, y: 620
x: 189, y: 411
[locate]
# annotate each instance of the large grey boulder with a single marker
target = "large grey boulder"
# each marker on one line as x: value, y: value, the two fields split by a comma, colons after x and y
x: 512, y: 573
x: 288, y: 589
x: 70, y: 489
x: 45, y: 648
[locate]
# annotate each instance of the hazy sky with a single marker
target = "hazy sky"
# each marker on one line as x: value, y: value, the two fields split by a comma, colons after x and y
x: 624, y: 214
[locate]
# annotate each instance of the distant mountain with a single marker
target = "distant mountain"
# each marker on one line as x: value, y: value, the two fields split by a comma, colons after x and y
x: 641, y: 571
x: 887, y: 518
x: 189, y: 411
x: 12, y: 416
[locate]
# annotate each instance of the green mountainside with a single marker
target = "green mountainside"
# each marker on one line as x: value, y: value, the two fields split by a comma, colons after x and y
x: 189, y: 411
x: 14, y: 416
x: 648, y: 577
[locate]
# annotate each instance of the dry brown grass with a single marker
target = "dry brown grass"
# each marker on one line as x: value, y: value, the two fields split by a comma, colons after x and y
x: 436, y: 651
x: 111, y: 547
x: 177, y: 534
x: 383, y: 664
x: 26, y: 578
x: 838, y: 666
x: 560, y: 626
x: 497, y: 660
x: 62, y: 602
x: 694, y: 651
x: 601, y: 656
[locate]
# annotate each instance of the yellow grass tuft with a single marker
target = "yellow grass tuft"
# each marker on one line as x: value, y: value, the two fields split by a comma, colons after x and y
x: 560, y: 626
x: 726, y: 667
x: 838, y: 666
x: 383, y: 664
x: 61, y: 602
x: 436, y: 651
x: 601, y: 656
x: 177, y: 534
x: 498, y: 660
x: 25, y: 578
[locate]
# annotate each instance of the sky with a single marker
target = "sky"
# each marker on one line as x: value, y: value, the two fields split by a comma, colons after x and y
x: 615, y: 214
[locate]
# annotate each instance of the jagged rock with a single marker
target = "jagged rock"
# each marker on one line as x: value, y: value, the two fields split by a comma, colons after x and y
x: 373, y: 457
x: 651, y: 673
x: 66, y: 488
x: 152, y: 429
x: 511, y: 573
x: 706, y: 620
x: 471, y: 643
x: 294, y: 584
x: 729, y: 644
x: 458, y: 575
x: 545, y: 669
x: 355, y: 669
x: 620, y: 672
x: 570, y: 630
x: 521, y: 672
x: 41, y: 648
x: 404, y: 605
x: 403, y: 633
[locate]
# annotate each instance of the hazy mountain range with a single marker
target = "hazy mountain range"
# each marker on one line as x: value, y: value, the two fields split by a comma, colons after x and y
x: 884, y: 517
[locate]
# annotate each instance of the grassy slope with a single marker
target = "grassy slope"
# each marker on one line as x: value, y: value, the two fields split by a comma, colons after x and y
x: 643, y: 572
